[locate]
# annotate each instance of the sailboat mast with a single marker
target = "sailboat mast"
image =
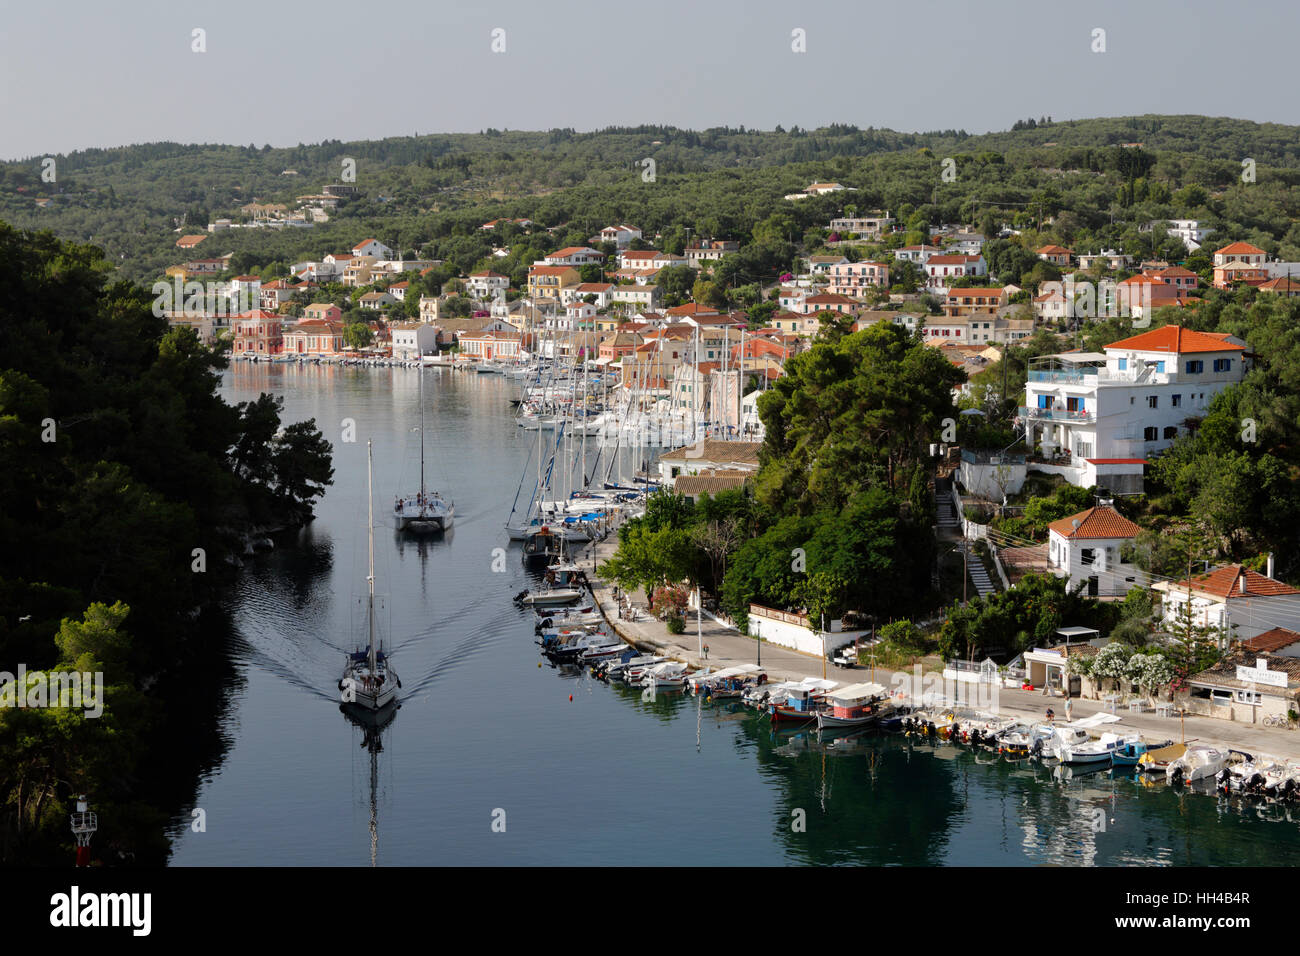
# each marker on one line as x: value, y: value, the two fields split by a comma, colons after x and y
x: 421, y: 433
x: 370, y: 528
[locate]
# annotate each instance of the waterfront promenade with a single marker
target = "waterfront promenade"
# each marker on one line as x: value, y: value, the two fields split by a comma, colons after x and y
x: 728, y: 647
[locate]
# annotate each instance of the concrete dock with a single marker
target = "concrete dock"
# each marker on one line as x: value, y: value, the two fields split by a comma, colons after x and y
x: 728, y: 647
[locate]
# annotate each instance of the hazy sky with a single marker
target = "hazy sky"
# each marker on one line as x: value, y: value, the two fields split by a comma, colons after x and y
x: 80, y: 74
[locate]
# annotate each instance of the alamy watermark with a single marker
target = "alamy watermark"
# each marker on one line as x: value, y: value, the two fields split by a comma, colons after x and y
x: 71, y: 690
x: 198, y: 300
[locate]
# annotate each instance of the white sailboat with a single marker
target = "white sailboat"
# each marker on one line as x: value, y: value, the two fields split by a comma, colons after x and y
x: 424, y: 511
x: 368, y: 681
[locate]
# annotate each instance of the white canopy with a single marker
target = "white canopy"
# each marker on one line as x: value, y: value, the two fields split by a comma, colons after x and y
x: 859, y: 692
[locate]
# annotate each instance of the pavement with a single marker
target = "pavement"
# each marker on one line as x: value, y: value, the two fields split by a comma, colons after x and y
x: 728, y: 647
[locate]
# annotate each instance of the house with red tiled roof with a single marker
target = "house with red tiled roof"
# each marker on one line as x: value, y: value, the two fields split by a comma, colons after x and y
x: 1233, y: 601
x: 314, y: 337
x: 189, y: 242
x: 1240, y: 252
x: 258, y: 333
x: 1176, y: 276
x: 1282, y: 285
x: 1056, y: 255
x: 1087, y: 548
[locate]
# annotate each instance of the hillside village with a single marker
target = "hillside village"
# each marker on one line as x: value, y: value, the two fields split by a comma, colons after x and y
x: 1091, y: 419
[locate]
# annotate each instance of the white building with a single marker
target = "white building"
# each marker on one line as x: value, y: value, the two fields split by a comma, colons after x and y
x: 866, y: 226
x: 941, y: 270
x: 638, y: 296
x: 413, y: 339
x: 486, y: 285
x: 1118, y: 407
x: 621, y: 235
x: 372, y: 247
x: 1087, y: 548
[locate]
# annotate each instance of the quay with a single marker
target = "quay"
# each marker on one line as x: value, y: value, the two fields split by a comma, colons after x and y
x: 728, y: 647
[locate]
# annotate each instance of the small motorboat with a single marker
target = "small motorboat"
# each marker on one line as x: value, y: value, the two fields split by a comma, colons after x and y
x: 547, y: 595
x: 1094, y: 751
x: 1023, y: 740
x: 1132, y: 751
x: 1197, y: 764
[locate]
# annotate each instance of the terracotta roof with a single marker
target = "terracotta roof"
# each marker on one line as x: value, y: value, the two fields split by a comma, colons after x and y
x: 1099, y: 522
x: 1176, y: 271
x: 1174, y: 338
x: 1226, y: 582
x: 1270, y: 641
x: 712, y: 450
x: 950, y: 260
x: 1051, y: 250
x: 711, y: 481
x: 1239, y: 249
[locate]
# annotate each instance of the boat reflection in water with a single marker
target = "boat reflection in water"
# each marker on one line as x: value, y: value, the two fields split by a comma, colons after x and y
x: 372, y: 724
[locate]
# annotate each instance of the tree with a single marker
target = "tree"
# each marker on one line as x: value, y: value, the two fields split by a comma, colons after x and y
x: 358, y: 335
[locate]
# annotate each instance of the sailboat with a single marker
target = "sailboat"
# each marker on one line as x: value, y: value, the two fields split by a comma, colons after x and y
x: 368, y: 681
x: 425, y: 511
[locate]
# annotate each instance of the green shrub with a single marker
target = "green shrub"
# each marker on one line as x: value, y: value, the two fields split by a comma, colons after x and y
x: 676, y: 625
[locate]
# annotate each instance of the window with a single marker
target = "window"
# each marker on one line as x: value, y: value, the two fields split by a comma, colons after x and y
x: 1171, y: 432
x: 1196, y: 367
x: 1176, y: 401
x: 1223, y: 365
x: 1150, y: 434
x: 1123, y: 365
x: 1160, y: 367
x: 1153, y: 401
x: 1086, y: 556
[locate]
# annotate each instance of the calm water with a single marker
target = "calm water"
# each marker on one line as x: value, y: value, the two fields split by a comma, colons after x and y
x: 604, y: 778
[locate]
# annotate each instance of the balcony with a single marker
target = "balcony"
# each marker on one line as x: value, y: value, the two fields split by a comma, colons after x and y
x: 1064, y: 375
x: 1076, y: 416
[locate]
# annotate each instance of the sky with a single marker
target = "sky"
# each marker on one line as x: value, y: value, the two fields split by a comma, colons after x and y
x: 81, y: 74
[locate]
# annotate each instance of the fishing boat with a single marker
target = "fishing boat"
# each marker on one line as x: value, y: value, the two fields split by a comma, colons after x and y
x: 424, y: 511
x: 368, y: 680
x: 1197, y: 764
x: 802, y: 704
x: 857, y: 705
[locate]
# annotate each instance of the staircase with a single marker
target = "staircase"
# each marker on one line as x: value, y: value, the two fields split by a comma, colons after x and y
x: 946, y: 513
x: 978, y: 575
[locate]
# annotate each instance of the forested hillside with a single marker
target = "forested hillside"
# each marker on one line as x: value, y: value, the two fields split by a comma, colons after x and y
x: 428, y: 194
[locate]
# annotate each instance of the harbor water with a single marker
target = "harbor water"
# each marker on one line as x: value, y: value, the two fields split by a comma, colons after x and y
x: 488, y: 761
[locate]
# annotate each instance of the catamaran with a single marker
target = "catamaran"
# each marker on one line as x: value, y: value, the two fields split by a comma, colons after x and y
x: 368, y: 681
x: 424, y: 511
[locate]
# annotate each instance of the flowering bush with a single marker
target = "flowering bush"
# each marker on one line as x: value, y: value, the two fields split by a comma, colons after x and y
x: 668, y: 602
